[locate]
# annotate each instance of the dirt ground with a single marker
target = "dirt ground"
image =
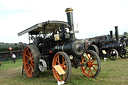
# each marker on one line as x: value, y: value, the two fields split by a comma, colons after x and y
x: 11, y: 72
x: 112, y: 73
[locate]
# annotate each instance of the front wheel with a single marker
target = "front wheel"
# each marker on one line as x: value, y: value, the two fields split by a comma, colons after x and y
x: 113, y: 54
x: 61, y: 59
x: 92, y: 64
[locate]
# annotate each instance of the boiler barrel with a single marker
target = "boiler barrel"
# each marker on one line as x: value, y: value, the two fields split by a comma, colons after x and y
x: 6, y: 46
x: 75, y: 47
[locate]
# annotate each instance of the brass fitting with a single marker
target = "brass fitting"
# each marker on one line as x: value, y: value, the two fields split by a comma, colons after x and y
x: 68, y: 10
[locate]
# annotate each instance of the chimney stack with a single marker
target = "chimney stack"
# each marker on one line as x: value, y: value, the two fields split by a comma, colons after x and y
x: 116, y: 33
x: 69, y: 12
x: 111, y: 34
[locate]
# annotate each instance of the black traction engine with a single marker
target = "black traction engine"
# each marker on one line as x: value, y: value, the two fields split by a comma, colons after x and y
x: 54, y: 47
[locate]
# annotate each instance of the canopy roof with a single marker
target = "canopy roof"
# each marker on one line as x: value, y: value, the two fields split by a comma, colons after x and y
x: 49, y: 26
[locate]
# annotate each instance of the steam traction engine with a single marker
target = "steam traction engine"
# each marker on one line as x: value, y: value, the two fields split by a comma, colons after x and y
x: 55, y: 48
x: 108, y: 46
x: 124, y: 39
x: 7, y: 48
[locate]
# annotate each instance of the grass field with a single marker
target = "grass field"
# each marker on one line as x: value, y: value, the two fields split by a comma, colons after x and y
x: 112, y: 73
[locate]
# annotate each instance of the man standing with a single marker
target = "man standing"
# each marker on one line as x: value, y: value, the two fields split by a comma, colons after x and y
x: 14, y: 57
x: 0, y: 63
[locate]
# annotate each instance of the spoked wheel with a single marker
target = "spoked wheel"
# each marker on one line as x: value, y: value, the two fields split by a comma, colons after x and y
x: 91, y: 64
x: 62, y: 59
x: 30, y: 60
x: 124, y: 53
x: 113, y: 54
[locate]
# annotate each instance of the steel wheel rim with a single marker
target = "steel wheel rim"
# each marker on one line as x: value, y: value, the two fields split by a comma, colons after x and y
x: 91, y: 67
x: 57, y: 61
x: 28, y: 61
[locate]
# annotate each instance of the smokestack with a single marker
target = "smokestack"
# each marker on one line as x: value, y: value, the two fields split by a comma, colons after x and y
x: 116, y: 33
x: 111, y: 34
x: 69, y: 12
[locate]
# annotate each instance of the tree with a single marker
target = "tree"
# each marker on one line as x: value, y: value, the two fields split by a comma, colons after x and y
x: 125, y: 33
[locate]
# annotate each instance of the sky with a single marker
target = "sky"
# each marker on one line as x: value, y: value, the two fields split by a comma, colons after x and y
x: 91, y: 17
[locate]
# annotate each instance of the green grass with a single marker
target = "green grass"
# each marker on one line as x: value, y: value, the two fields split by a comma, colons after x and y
x: 112, y: 73
x: 9, y: 64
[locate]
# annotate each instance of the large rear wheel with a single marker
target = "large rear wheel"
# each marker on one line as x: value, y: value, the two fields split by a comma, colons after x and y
x: 90, y: 64
x: 30, y: 61
x: 62, y: 59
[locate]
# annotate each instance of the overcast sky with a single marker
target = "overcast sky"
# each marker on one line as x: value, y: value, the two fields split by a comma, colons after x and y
x: 94, y: 17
